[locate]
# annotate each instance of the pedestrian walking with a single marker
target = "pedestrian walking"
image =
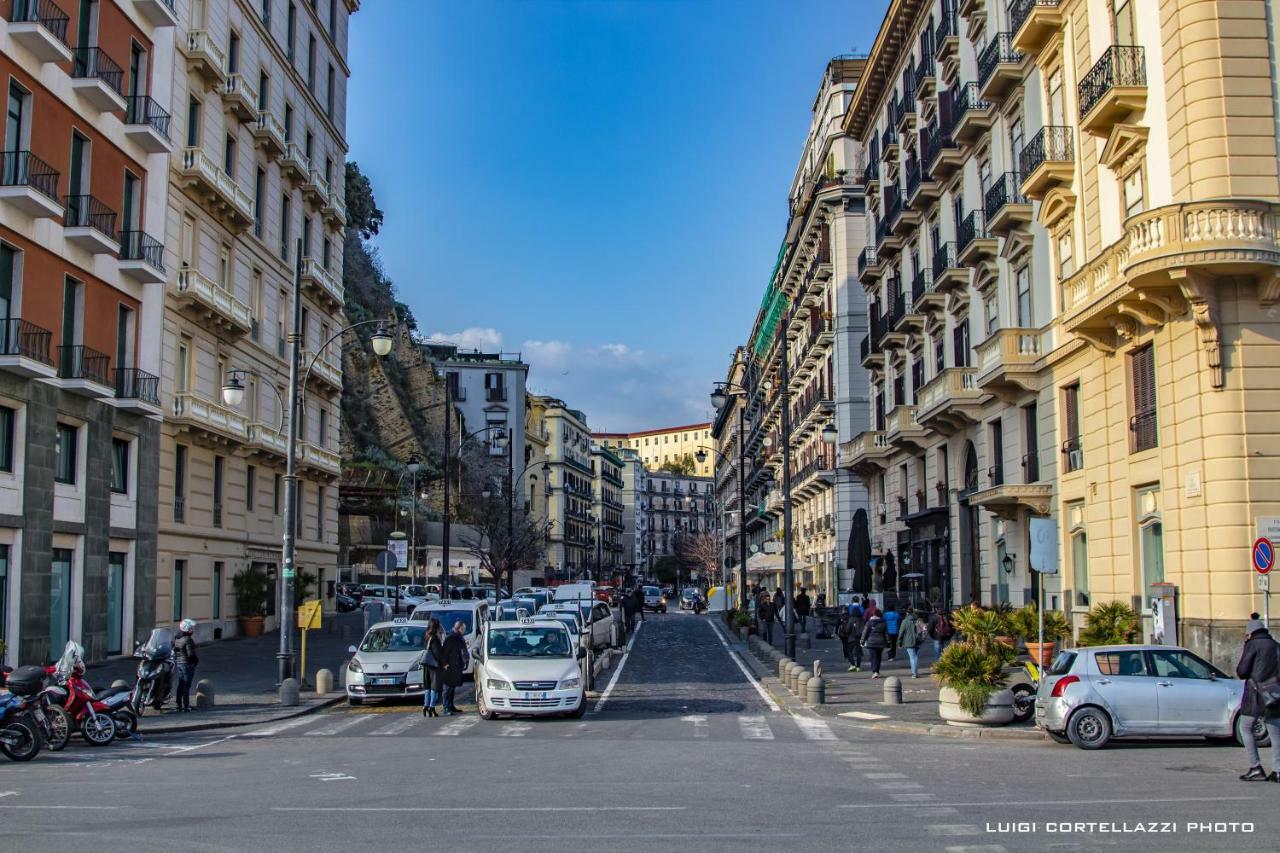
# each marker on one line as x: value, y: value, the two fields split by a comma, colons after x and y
x: 821, y: 601
x: 431, y: 658
x: 802, y: 608
x: 453, y: 661
x: 629, y: 611
x: 850, y: 633
x: 185, y: 661
x: 779, y: 606
x: 940, y: 630
x: 875, y: 636
x: 910, y: 637
x: 1260, y: 667
x: 892, y: 619
x: 764, y: 613
x: 639, y: 602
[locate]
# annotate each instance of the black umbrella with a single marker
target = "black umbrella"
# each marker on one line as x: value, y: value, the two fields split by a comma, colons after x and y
x: 860, y: 552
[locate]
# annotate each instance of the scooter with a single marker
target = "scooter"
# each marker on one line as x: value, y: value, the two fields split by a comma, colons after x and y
x: 94, y: 718
x: 50, y: 719
x: 21, y: 719
x: 155, y: 671
x: 1024, y: 693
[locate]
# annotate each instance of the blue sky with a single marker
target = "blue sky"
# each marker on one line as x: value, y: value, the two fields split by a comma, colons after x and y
x: 600, y: 185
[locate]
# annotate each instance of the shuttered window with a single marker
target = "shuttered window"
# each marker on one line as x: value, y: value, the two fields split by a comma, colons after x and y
x: 1142, y: 423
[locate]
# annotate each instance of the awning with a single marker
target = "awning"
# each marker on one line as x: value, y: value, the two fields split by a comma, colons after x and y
x: 764, y: 563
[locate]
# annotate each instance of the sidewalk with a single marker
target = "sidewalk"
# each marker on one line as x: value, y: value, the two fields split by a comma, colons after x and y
x: 857, y: 697
x: 243, y: 673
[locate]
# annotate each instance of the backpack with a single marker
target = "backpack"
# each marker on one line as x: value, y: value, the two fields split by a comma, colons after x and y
x: 943, y: 629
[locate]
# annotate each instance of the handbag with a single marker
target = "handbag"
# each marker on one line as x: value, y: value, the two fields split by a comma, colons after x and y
x: 1269, y: 690
x: 429, y: 660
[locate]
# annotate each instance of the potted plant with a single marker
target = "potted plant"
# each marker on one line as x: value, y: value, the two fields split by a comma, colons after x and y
x: 1004, y: 610
x: 972, y: 671
x: 251, y: 590
x: 1110, y: 623
x: 1025, y: 623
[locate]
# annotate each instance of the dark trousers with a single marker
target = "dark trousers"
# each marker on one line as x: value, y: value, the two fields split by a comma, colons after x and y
x: 186, y: 675
x: 766, y: 627
x: 893, y: 646
x: 449, y: 691
x: 852, y: 651
x: 640, y: 612
x: 804, y: 621
x: 873, y: 656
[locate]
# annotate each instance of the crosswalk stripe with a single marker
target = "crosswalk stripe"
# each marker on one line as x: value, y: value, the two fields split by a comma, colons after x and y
x: 406, y: 722
x: 755, y: 728
x: 885, y: 775
x: 280, y: 727
x: 814, y: 729
x: 953, y: 829
x: 458, y: 726
x: 341, y: 725
x: 978, y: 848
x: 700, y: 727
x: 515, y: 729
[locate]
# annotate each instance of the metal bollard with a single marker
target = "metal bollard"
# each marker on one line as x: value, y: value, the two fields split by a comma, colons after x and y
x: 289, y: 691
x: 324, y: 682
x: 205, y: 696
x: 892, y: 691
x: 817, y: 691
x: 802, y: 683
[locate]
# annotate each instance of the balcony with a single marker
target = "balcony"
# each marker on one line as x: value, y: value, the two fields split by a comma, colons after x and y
x: 266, y: 443
x: 903, y: 431
x: 91, y: 225
x: 319, y: 460
x: 889, y: 144
x: 1033, y: 23
x: 41, y: 27
x: 941, y: 157
x: 142, y: 257
x: 321, y: 284
x: 147, y: 124
x: 926, y: 79
x: 1009, y: 363
x: 206, y: 302
x: 1000, y: 68
x: 890, y: 336
x: 1113, y: 90
x: 269, y: 134
x: 973, y: 115
x: 1047, y: 161
x: 205, y: 58
x: 335, y: 208
x: 315, y: 188
x: 24, y: 349
x: 973, y: 243
x: 325, y: 376
x: 161, y: 13
x: 871, y: 176
x: 924, y: 296
x: 85, y: 371
x: 905, y: 317
x: 946, y: 38
x: 239, y: 98
x: 904, y: 113
x: 1009, y: 500
x: 950, y: 401
x: 871, y: 356
x: 1006, y: 208
x: 98, y: 79
x: 921, y: 187
x: 30, y: 185
x: 907, y: 220
x: 217, y: 189
x: 869, y: 266
x: 812, y: 479
x: 868, y: 453
x: 293, y: 163
x: 137, y: 391
x: 948, y: 274
x: 207, y: 423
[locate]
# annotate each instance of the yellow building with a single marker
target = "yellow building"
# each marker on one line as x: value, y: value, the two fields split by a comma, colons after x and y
x: 660, y: 446
x: 1073, y: 264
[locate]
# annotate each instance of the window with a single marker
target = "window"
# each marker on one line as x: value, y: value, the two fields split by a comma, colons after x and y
x: 1123, y: 22
x: 1142, y: 422
x: 1071, y: 448
x: 71, y: 299
x: 259, y: 194
x: 291, y: 37
x: 6, y: 439
x: 333, y: 19
x: 960, y: 343
x: 284, y: 226
x: 15, y: 119
x: 996, y: 450
x: 224, y: 267
x: 233, y: 53
x: 229, y: 156
x: 275, y: 495
x: 326, y: 251
x: 311, y: 64
x: 119, y: 466
x: 1078, y: 541
x: 250, y: 486
x: 1031, y: 441
x: 1151, y: 541
x: 1016, y: 141
x: 4, y: 593
x: 328, y: 96
x: 179, y: 588
x: 193, y: 123
x: 1133, y: 200
x: 218, y: 464
x: 179, y: 483
x: 1179, y: 664
x: 320, y: 513
x: 939, y: 354
x: 266, y: 13
x: 306, y: 236
x: 60, y: 597
x: 288, y: 122
x: 1022, y: 282
x: 65, y: 465
x: 217, y: 589
x: 322, y: 430
x: 993, y: 314
x: 1121, y: 663
x: 1066, y: 264
x: 493, y: 387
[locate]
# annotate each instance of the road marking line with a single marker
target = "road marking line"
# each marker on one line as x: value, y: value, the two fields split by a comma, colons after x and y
x: 515, y: 730
x: 751, y: 679
x: 178, y: 749
x: 402, y: 725
x: 885, y: 775
x: 458, y: 726
x: 953, y: 829
x: 280, y: 727
x: 912, y: 798
x: 339, y: 776
x: 346, y: 809
x: 65, y: 808
x: 755, y: 728
x: 8, y: 793
x: 700, y: 727
x: 613, y: 680
x: 813, y: 729
x: 978, y: 848
x: 1033, y: 803
x: 342, y: 725
x: 938, y: 812
x: 863, y: 715
x: 900, y: 786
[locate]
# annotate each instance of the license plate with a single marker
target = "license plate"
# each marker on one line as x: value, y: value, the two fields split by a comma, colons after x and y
x: 384, y: 681
x: 542, y: 695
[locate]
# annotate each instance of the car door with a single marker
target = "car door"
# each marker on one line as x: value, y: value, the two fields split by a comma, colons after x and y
x: 1191, y: 696
x: 1123, y: 683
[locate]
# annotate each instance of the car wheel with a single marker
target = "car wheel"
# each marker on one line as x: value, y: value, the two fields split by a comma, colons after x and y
x: 662, y: 609
x: 1260, y: 735
x: 354, y: 702
x: 482, y: 707
x: 576, y: 713
x: 1058, y: 737
x: 1089, y: 728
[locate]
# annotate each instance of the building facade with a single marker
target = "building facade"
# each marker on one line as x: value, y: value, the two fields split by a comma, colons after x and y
x: 632, y: 484
x: 658, y: 447
x: 672, y: 506
x: 568, y: 485
x: 607, y: 511
x: 83, y: 178
x: 489, y: 390
x: 255, y: 198
x: 1083, y: 197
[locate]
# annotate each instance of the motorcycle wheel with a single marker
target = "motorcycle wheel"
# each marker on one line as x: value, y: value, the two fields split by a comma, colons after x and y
x: 26, y: 744
x: 99, y: 730
x: 126, y: 723
x: 59, y: 727
x: 1024, y: 702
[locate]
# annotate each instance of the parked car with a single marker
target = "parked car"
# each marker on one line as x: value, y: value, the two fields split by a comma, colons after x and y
x: 345, y: 602
x: 609, y: 595
x: 597, y: 618
x: 388, y: 662
x: 472, y: 613
x: 1091, y: 695
x: 529, y: 667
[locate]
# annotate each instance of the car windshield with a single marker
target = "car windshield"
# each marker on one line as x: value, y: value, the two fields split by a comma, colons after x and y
x: 652, y: 590
x: 449, y: 618
x: 415, y: 590
x: 395, y: 638
x: 532, y: 641
x: 569, y: 621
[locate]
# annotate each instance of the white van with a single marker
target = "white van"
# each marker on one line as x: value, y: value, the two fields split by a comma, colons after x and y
x: 584, y: 590
x: 472, y: 613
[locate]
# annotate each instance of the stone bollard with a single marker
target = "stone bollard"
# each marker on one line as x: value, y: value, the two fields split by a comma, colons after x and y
x: 793, y: 677
x: 817, y: 669
x: 802, y: 683
x: 289, y: 690
x: 324, y: 682
x: 784, y: 663
x: 118, y: 685
x: 205, y: 697
x: 892, y: 691
x: 817, y: 690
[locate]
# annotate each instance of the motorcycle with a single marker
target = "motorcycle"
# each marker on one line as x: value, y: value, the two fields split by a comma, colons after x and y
x: 155, y: 671
x: 1024, y: 693
x: 94, y: 717
x: 20, y: 714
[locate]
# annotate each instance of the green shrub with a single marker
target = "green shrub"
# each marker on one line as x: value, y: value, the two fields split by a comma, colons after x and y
x: 1110, y: 623
x: 973, y: 672
x: 1025, y: 624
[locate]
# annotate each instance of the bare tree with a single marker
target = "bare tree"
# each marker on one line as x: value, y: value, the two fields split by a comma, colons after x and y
x: 700, y: 550
x: 486, y: 535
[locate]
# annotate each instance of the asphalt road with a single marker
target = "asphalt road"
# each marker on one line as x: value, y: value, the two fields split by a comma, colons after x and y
x: 683, y: 752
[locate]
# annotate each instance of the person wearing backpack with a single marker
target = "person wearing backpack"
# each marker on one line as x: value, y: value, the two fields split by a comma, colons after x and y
x: 911, y: 637
x: 940, y: 629
x: 1260, y: 667
x: 875, y: 636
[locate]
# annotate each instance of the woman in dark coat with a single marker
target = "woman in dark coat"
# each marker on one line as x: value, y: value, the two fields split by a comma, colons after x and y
x: 875, y: 636
x: 453, y: 660
x: 435, y: 653
x: 1259, y: 662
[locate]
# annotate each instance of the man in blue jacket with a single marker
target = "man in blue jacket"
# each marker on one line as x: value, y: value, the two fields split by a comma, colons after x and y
x: 892, y: 619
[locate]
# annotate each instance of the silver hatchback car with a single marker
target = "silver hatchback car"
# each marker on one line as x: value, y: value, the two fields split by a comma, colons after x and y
x: 1091, y: 695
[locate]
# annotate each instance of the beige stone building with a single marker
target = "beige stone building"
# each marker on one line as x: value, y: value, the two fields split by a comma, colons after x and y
x: 660, y: 446
x: 1073, y: 265
x: 567, y: 485
x: 259, y: 105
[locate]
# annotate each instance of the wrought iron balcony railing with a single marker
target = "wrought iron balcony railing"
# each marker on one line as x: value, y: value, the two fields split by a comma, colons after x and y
x: 142, y: 109
x: 24, y: 169
x: 1120, y: 65
x: 92, y: 62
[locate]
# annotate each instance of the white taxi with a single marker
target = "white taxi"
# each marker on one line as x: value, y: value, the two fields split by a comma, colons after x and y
x: 530, y: 667
x: 388, y: 662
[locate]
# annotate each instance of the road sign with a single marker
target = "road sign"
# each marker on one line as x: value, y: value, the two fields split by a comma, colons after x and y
x: 399, y: 547
x: 1263, y: 582
x: 1268, y: 528
x: 309, y: 614
x: 1264, y: 556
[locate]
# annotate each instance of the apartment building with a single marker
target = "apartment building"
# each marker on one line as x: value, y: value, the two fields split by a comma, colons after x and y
x: 632, y: 483
x: 1083, y: 197
x: 672, y: 506
x: 658, y: 447
x: 568, y: 483
x: 255, y: 196
x: 607, y: 511
x: 82, y: 188
x: 489, y: 390
x: 799, y: 355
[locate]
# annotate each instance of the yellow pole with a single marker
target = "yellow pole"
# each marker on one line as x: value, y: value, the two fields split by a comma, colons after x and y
x: 303, y: 679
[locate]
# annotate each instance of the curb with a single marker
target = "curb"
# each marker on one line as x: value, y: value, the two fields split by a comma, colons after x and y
x: 204, y: 727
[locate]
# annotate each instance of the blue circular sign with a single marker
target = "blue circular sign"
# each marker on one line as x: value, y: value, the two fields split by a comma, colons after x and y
x: 1264, y: 556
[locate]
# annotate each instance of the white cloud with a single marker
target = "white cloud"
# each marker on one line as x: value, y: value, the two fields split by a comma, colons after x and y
x: 474, y: 337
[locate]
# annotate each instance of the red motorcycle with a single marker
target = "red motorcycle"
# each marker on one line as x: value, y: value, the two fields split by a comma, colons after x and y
x: 101, y: 719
